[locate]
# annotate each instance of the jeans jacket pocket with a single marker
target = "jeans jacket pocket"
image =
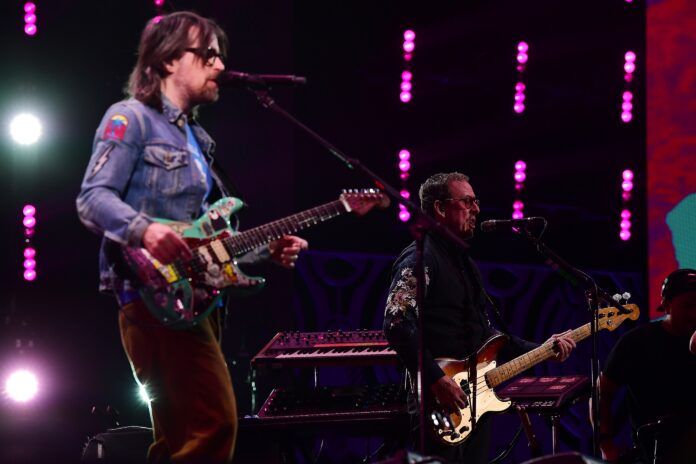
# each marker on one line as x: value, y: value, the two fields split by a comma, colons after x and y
x: 164, y: 168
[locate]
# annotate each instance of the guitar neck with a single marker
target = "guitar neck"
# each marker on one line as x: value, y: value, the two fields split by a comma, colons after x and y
x: 521, y: 363
x: 252, y: 238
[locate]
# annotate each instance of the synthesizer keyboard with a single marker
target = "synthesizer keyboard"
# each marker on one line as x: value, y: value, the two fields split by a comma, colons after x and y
x: 302, y: 349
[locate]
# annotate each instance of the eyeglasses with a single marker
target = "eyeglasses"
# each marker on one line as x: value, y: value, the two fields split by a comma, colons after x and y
x: 468, y: 201
x: 208, y: 55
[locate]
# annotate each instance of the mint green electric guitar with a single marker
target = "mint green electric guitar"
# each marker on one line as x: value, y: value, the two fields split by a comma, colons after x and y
x: 183, y: 293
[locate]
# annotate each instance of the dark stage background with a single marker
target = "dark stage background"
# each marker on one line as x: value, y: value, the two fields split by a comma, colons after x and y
x: 460, y: 118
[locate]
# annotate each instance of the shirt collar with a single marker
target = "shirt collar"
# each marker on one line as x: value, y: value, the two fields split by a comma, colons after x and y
x: 173, y: 113
x: 177, y: 117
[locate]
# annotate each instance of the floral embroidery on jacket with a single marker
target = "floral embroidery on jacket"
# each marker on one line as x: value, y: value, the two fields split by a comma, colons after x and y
x: 402, y: 297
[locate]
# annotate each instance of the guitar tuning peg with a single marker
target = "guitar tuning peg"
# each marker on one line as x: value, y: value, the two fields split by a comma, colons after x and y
x: 616, y: 297
x: 626, y: 296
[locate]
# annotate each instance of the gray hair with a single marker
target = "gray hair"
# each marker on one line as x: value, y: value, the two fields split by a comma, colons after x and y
x: 436, y: 187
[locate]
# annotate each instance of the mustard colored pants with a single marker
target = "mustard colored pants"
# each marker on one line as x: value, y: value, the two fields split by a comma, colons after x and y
x: 193, y: 408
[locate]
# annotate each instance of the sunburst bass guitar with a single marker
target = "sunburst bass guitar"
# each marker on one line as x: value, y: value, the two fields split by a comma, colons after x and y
x: 183, y: 293
x: 454, y: 429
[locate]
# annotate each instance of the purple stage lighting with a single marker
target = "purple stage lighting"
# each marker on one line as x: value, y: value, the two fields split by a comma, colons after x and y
x: 627, y: 174
x: 404, y: 165
x: 29, y: 221
x: 22, y: 386
x: 404, y: 154
x: 409, y: 35
x: 520, y: 166
x: 405, y: 194
x: 406, y: 76
x: 29, y: 210
x: 29, y: 275
x: 405, y: 97
x: 517, y: 215
x: 29, y: 264
x: 30, y: 18
x: 29, y: 253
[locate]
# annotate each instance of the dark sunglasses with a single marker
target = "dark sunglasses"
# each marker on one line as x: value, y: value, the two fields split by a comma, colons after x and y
x: 208, y: 55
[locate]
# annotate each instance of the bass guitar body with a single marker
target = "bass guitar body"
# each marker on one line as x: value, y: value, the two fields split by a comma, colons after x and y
x: 453, y: 429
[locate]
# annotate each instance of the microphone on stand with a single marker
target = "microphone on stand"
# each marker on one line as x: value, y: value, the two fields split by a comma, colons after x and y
x: 507, y: 224
x: 240, y: 79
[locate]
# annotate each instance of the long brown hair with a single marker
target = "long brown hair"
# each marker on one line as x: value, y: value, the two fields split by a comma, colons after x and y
x: 165, y: 39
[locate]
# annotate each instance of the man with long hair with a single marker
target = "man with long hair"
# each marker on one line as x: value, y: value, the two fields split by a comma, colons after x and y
x: 151, y: 159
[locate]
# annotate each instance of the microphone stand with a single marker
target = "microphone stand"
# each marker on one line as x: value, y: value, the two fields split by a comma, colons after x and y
x: 422, y: 224
x: 594, y: 294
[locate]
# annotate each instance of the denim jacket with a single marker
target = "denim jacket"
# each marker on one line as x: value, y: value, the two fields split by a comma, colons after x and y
x: 141, y: 169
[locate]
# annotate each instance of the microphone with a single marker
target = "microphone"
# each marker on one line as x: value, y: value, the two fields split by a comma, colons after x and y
x: 506, y: 224
x: 240, y: 79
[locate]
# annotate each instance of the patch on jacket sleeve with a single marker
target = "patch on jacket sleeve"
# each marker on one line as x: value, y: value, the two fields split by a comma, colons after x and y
x: 116, y: 128
x: 101, y: 161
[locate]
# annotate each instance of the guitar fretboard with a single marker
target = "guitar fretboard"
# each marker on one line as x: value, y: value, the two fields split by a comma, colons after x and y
x: 521, y: 363
x: 252, y: 238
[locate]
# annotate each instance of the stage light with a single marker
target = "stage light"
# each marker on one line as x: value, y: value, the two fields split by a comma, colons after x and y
x: 25, y: 129
x: 520, y: 176
x: 625, y: 215
x: 29, y: 210
x: 29, y: 222
x: 30, y: 19
x: 404, y: 167
x: 142, y: 392
x: 627, y: 95
x: 159, y: 3
x: 406, y: 76
x: 22, y: 386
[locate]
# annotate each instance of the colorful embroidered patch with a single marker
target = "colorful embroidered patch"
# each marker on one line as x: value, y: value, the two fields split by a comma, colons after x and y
x: 116, y: 128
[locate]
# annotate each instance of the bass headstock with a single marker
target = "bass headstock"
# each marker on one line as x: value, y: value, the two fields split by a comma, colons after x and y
x: 610, y: 318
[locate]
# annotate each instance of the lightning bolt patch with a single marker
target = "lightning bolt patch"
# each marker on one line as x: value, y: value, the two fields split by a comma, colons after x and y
x: 101, y: 161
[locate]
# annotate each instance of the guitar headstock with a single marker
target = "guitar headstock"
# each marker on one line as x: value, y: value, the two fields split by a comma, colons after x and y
x: 362, y: 201
x: 610, y: 318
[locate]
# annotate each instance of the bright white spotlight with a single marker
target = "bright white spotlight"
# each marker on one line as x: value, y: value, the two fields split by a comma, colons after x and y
x: 25, y: 129
x: 22, y: 386
x: 143, y: 394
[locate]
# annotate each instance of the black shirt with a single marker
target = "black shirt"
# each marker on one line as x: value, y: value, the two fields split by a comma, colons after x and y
x: 658, y: 371
x: 455, y: 323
